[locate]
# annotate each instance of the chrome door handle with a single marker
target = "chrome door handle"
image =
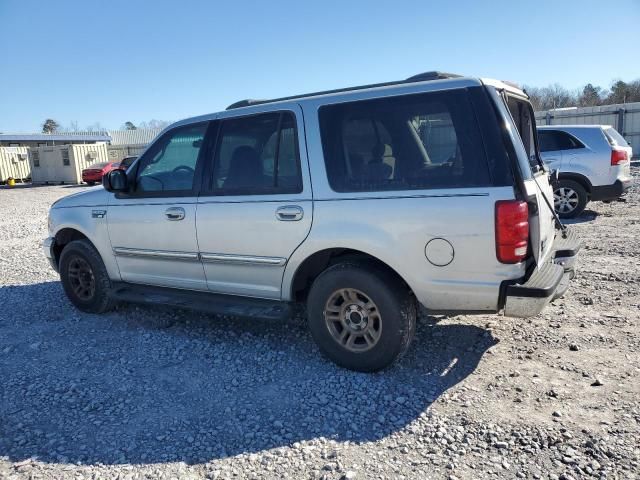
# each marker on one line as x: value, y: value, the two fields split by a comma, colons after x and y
x: 174, y: 213
x: 289, y: 213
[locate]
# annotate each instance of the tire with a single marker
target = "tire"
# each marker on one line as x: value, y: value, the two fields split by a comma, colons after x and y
x: 91, y: 184
x: 569, y: 199
x: 361, y: 317
x: 84, y: 277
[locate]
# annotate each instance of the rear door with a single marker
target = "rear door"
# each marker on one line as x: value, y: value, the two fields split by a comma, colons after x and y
x: 550, y: 151
x: 535, y: 177
x: 258, y: 205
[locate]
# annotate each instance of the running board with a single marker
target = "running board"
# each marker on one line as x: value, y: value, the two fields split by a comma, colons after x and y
x: 214, y: 303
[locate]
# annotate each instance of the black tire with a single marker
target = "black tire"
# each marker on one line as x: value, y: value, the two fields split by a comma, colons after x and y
x: 91, y: 184
x: 76, y: 282
x: 571, y: 189
x: 395, y: 317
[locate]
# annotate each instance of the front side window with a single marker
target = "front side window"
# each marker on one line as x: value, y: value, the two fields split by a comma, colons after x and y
x: 403, y: 143
x: 257, y: 155
x: 170, y: 164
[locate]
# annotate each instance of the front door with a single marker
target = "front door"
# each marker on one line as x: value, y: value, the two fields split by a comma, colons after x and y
x: 153, y: 227
x: 258, y: 206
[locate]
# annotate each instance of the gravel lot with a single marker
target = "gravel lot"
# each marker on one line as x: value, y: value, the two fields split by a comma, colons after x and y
x: 157, y: 393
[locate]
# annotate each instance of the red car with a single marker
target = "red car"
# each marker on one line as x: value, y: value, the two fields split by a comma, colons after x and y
x: 95, y: 172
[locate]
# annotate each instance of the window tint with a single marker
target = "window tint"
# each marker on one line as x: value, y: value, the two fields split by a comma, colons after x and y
x: 403, y: 143
x: 614, y: 138
x: 257, y: 155
x: 551, y: 140
x: 170, y: 164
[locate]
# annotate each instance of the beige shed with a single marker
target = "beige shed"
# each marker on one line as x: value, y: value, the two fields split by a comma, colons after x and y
x: 14, y: 163
x: 64, y: 164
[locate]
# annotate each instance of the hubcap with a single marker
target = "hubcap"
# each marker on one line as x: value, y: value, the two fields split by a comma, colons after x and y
x: 565, y: 200
x: 353, y: 320
x: 81, y: 278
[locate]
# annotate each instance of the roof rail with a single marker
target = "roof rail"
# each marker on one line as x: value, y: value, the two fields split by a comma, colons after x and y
x: 434, y: 75
x: 421, y: 77
x: 246, y: 103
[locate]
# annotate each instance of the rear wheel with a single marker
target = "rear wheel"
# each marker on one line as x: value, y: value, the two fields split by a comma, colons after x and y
x: 84, y: 277
x: 569, y: 199
x: 362, y: 317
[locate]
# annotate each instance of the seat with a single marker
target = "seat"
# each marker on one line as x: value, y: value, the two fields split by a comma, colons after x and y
x: 376, y: 170
x: 244, y: 170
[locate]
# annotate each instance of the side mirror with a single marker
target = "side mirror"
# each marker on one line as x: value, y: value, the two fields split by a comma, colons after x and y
x: 116, y: 181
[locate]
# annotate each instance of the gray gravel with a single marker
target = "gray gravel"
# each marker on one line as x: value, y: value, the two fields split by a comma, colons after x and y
x: 159, y: 393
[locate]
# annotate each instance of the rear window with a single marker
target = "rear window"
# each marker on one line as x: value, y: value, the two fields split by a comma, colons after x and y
x: 614, y: 138
x: 407, y: 142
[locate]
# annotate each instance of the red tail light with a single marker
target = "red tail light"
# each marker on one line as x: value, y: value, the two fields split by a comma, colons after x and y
x: 618, y: 156
x: 512, y: 230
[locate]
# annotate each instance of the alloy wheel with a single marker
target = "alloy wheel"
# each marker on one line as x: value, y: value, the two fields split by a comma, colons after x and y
x: 81, y: 278
x: 353, y: 320
x: 565, y: 200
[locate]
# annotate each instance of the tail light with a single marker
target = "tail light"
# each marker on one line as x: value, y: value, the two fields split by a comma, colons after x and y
x: 618, y: 156
x: 512, y: 230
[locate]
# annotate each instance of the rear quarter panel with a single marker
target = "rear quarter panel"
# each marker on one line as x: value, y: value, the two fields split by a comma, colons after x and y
x: 396, y: 230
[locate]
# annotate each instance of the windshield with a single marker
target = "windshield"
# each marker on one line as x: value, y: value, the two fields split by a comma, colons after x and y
x: 99, y: 166
x: 614, y: 138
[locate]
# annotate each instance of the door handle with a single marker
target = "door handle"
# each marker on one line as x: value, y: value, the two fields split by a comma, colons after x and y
x: 174, y: 213
x: 289, y: 213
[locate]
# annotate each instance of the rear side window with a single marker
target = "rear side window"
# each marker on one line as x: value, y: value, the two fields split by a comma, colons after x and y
x: 408, y: 142
x: 614, y: 138
x: 551, y: 140
x: 257, y: 155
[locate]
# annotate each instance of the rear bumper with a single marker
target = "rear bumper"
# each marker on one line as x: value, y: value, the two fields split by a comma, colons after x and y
x: 610, y: 192
x: 529, y: 296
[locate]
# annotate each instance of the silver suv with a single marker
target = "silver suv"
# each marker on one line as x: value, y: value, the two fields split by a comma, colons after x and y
x: 361, y: 203
x: 593, y: 161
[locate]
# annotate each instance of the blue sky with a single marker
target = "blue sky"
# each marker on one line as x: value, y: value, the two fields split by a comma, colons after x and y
x: 113, y: 61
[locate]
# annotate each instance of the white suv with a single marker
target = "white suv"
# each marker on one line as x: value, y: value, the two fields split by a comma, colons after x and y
x: 593, y: 162
x: 361, y: 203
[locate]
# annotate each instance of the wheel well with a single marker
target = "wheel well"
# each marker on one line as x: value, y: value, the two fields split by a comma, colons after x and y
x: 576, y: 177
x: 63, y: 237
x: 317, y: 263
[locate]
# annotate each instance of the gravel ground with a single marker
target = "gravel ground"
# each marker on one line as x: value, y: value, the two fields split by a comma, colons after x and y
x: 148, y: 392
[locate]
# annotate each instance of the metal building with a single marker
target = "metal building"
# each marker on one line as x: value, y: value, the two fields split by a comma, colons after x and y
x: 64, y: 164
x: 14, y: 163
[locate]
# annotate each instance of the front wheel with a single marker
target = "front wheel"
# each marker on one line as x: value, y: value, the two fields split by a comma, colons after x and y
x: 84, y: 277
x: 362, y: 317
x: 569, y: 199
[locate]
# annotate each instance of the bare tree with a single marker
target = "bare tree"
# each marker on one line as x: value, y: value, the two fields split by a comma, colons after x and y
x: 94, y: 127
x: 153, y: 124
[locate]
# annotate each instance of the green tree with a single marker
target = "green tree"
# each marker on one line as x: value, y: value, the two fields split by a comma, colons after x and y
x: 619, y: 93
x: 50, y: 126
x: 129, y: 126
x: 590, y: 96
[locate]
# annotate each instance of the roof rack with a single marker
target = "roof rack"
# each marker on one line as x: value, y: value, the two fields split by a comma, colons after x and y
x: 421, y: 77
